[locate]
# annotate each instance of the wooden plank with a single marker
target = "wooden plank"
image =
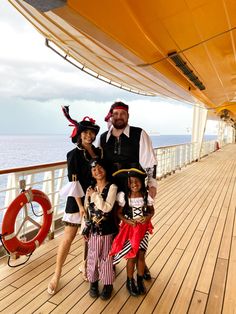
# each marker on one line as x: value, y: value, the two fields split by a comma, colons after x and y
x: 184, y: 279
x: 198, y: 303
x: 203, y: 204
x: 21, y: 297
x: 229, y: 305
x: 69, y: 285
x: 172, y: 281
x: 42, y: 253
x: 227, y: 236
x: 90, y: 305
x: 205, y: 278
x: 219, y: 189
x: 69, y: 281
x: 6, y: 291
x: 216, y: 295
x: 188, y: 196
x: 179, y: 227
x: 45, y: 309
x: 182, y: 185
x: 147, y: 303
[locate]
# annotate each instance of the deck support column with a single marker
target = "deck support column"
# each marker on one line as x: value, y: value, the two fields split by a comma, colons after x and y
x: 221, y: 133
x: 198, y: 129
x: 230, y: 134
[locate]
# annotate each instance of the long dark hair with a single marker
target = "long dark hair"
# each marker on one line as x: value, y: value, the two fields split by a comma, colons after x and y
x: 127, y: 192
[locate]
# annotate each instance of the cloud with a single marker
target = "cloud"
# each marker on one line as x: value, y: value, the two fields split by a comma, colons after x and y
x: 34, y: 82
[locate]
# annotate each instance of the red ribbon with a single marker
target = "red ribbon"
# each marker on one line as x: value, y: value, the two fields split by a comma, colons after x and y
x: 90, y: 119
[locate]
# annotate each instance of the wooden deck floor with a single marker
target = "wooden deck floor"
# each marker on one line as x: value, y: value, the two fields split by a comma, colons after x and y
x: 192, y: 254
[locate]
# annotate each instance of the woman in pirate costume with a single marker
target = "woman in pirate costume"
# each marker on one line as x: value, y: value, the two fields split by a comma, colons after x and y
x: 135, y: 212
x: 79, y: 176
x: 100, y: 229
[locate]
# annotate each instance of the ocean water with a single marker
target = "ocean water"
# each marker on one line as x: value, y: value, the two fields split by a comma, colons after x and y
x: 27, y: 150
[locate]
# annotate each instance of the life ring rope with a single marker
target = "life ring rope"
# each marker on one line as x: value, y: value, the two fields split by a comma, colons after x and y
x: 29, y: 196
x: 9, y: 234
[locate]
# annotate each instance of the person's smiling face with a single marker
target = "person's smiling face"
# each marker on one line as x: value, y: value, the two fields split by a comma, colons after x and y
x: 98, y: 172
x: 119, y: 118
x: 87, y: 136
x: 135, y: 184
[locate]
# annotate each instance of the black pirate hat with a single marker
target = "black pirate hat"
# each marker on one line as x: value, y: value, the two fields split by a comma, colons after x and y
x: 86, y: 124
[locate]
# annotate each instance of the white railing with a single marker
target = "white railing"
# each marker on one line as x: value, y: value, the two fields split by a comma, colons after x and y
x: 172, y: 158
x: 50, y: 178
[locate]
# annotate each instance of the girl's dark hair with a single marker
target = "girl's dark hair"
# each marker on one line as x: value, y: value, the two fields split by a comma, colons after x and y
x: 143, y: 190
x: 102, y: 163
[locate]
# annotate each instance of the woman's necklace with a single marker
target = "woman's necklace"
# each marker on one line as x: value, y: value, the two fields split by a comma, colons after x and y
x: 88, y: 153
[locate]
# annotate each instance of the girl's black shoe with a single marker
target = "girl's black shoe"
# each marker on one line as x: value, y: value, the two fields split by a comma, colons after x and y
x: 140, y: 284
x: 147, y: 275
x: 131, y: 286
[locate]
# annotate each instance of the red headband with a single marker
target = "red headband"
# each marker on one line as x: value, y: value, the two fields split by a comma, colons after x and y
x: 121, y: 107
x: 126, y: 108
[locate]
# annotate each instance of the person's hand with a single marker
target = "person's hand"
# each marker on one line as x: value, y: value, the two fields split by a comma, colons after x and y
x: 90, y: 191
x: 131, y: 222
x: 81, y: 211
x: 142, y: 220
x: 145, y: 219
x: 152, y: 191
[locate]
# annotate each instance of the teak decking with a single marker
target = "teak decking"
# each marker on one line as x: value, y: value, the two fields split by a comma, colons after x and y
x: 191, y: 255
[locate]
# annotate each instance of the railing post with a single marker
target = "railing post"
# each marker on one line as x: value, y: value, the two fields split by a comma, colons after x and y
x: 11, y: 193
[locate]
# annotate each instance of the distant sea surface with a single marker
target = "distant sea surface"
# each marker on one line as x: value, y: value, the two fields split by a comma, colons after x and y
x: 27, y: 150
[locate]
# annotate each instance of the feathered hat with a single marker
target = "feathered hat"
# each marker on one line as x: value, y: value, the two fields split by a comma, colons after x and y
x: 86, y: 124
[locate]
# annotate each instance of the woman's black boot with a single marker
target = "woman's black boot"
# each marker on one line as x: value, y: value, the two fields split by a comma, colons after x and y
x: 140, y: 284
x: 131, y: 286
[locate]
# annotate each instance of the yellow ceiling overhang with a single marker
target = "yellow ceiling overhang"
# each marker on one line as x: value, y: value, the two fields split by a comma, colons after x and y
x: 129, y: 42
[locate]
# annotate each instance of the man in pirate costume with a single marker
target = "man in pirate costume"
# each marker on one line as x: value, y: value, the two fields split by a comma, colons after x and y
x: 100, y: 229
x: 124, y: 145
x: 79, y: 176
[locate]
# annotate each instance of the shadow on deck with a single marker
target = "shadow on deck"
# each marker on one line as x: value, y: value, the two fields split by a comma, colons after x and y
x: 191, y: 255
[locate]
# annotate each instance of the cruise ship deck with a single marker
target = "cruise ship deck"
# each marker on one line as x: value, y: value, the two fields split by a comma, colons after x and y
x: 191, y: 255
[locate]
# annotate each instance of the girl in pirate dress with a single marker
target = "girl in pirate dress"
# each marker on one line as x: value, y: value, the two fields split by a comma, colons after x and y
x: 100, y: 229
x: 79, y: 176
x: 135, y: 212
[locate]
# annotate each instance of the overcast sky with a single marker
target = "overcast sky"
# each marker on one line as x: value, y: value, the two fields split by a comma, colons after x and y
x: 35, y: 82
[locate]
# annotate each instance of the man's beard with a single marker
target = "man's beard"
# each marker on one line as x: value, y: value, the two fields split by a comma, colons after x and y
x: 119, y: 125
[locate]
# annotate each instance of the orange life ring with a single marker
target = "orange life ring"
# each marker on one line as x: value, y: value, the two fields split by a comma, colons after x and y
x: 10, y: 240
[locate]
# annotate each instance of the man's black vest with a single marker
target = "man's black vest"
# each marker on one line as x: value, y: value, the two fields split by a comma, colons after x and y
x: 122, y: 152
